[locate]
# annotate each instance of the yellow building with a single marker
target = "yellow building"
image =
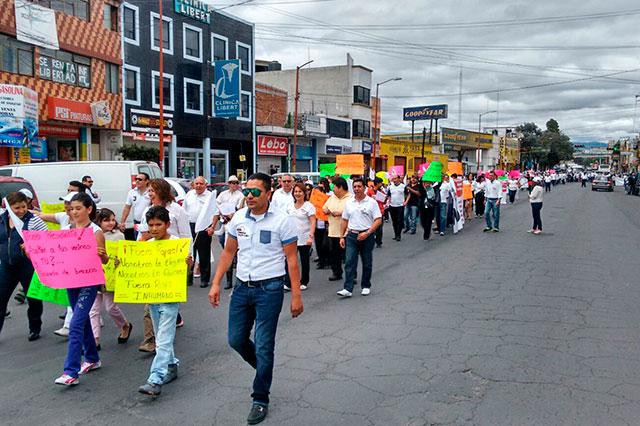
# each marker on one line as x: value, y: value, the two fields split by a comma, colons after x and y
x: 509, y: 152
x: 398, y: 150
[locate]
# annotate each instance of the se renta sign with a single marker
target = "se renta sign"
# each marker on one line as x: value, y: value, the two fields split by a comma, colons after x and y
x: 194, y: 9
x: 429, y: 112
x: 272, y: 145
x: 226, y: 93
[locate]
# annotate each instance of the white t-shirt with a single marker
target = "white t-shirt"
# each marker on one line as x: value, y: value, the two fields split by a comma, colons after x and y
x: 139, y: 202
x: 228, y: 197
x: 447, y: 190
x: 179, y: 222
x: 396, y: 193
x: 300, y: 217
x: 493, y: 189
x: 513, y: 184
x: 63, y: 219
x: 361, y: 214
x: 282, y: 200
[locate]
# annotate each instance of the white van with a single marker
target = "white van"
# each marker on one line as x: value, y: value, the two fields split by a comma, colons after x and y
x: 112, y: 179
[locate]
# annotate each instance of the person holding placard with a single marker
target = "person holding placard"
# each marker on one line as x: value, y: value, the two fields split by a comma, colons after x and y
x: 304, y: 215
x: 106, y: 219
x: 378, y: 193
x: 15, y: 266
x: 263, y: 239
x: 396, y: 206
x: 164, y: 367
x: 81, y: 340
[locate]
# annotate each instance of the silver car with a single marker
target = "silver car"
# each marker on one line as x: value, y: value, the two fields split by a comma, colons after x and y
x: 602, y: 182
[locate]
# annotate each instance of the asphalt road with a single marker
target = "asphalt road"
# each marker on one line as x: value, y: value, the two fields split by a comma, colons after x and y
x: 478, y: 329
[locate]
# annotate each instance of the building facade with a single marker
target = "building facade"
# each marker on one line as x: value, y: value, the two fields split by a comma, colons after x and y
x: 400, y: 150
x: 71, y: 59
x: 194, y: 37
x: 334, y: 111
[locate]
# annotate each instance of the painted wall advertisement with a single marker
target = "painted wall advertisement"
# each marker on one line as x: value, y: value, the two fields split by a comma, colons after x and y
x: 226, y: 99
x: 18, y: 116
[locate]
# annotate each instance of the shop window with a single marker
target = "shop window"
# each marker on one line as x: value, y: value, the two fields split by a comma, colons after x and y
x: 361, y: 95
x: 111, y: 78
x: 243, y: 52
x: 361, y: 129
x: 338, y: 128
x: 192, y: 42
x: 131, y: 27
x: 77, y: 8
x: 192, y: 96
x: 167, y: 33
x: 167, y: 90
x: 220, y: 47
x: 65, y: 67
x: 110, y: 17
x: 132, y: 85
x: 15, y: 56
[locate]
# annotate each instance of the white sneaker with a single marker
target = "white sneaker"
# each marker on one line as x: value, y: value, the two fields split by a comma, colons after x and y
x: 365, y: 291
x: 287, y: 288
x: 63, y: 331
x: 303, y: 287
x: 66, y: 380
x: 344, y: 293
x: 89, y: 366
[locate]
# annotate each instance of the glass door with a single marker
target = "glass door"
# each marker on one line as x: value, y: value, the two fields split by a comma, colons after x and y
x: 219, y: 164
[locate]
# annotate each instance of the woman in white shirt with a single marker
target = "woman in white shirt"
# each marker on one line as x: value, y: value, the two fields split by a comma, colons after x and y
x: 304, y: 215
x: 535, y: 198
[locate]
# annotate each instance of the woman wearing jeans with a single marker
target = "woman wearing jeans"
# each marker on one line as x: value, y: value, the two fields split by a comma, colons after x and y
x: 304, y: 215
x: 535, y: 198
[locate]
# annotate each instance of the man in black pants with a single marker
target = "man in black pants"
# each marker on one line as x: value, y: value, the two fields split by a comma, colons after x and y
x: 197, y: 202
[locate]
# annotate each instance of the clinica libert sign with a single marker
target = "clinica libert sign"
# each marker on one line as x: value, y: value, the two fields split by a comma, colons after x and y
x: 193, y: 9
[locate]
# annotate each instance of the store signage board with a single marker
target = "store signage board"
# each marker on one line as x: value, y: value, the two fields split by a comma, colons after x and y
x: 149, y: 121
x: 36, y: 24
x: 194, y: 9
x: 64, y: 72
x: 429, y: 112
x: 226, y: 96
x: 68, y: 110
x: 273, y: 145
x: 18, y: 116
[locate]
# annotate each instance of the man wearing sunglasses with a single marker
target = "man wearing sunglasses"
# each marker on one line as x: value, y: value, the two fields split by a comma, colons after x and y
x: 283, y: 198
x: 263, y: 238
x: 138, y: 199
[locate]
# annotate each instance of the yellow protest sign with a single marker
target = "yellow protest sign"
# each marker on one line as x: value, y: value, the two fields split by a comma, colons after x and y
x: 52, y: 209
x: 350, y: 164
x: 110, y: 268
x: 152, y: 271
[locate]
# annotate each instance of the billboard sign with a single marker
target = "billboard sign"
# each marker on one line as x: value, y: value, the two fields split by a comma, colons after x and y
x: 455, y: 139
x: 429, y: 112
x: 226, y: 93
x: 273, y: 145
x: 18, y: 116
x: 36, y: 24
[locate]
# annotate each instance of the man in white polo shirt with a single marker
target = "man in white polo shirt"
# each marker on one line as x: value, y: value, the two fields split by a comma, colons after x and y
x: 138, y: 199
x: 283, y: 198
x: 263, y: 238
x: 493, y: 194
x: 360, y: 219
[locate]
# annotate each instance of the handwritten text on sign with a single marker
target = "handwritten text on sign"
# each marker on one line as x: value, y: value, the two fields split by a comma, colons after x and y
x: 65, y: 259
x: 109, y: 268
x: 152, y: 272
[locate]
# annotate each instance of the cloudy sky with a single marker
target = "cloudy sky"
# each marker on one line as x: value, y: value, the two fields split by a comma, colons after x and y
x: 577, y: 61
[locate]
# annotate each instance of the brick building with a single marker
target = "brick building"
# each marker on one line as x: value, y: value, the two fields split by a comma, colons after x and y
x: 274, y: 132
x: 78, y: 85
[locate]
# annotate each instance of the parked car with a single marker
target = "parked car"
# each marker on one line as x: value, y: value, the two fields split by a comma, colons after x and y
x: 113, y: 179
x: 602, y: 181
x: 179, y: 188
x: 13, y: 184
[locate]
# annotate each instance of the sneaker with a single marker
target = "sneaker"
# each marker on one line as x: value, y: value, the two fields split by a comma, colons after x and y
x: 257, y: 414
x: 486, y: 229
x: 179, y: 321
x: 442, y: 234
x: 66, y: 380
x: 33, y: 336
x: 495, y: 230
x: 344, y: 293
x: 537, y: 232
x: 150, y: 389
x: 303, y: 287
x: 62, y: 331
x: 365, y: 291
x: 287, y: 288
x: 172, y: 374
x: 335, y: 278
x: 89, y: 366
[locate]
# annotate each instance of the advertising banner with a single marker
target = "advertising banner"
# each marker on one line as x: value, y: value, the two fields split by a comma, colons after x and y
x: 273, y: 145
x: 226, y: 96
x: 18, y: 116
x: 36, y: 24
x: 457, y: 138
x: 68, y: 110
x: 101, y: 113
x: 425, y: 112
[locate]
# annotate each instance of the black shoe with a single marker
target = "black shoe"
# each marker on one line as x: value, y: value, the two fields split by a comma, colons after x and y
x: 204, y: 285
x: 189, y: 283
x: 399, y: 238
x: 150, y: 389
x: 378, y: 245
x: 63, y: 316
x: 413, y: 232
x: 425, y: 236
x: 7, y: 314
x: 98, y: 347
x: 405, y: 231
x: 334, y: 278
x: 257, y: 414
x: 19, y: 297
x: 33, y: 336
x: 172, y: 374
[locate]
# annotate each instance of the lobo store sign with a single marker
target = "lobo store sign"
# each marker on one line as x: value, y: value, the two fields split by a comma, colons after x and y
x: 18, y: 116
x: 272, y: 145
x: 193, y: 9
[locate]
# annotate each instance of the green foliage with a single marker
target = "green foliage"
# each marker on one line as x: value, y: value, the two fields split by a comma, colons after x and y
x: 546, y: 148
x: 139, y: 153
x: 289, y: 123
x: 553, y: 126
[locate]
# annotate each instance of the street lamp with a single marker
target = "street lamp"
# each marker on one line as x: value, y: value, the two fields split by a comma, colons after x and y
x: 295, y: 114
x: 635, y: 110
x: 376, y: 139
x: 480, y: 119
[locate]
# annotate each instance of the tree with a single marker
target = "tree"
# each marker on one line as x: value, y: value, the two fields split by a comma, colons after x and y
x: 557, y: 145
x: 529, y: 142
x: 136, y: 152
x: 553, y: 126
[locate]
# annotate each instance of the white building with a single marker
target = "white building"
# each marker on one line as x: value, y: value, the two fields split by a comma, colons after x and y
x: 334, y: 110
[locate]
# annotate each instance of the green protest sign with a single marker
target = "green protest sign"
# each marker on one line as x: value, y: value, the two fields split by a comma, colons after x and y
x: 39, y: 291
x: 327, y: 169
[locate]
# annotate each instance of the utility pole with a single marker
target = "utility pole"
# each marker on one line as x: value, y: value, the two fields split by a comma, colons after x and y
x: 295, y: 114
x: 161, y: 87
x: 376, y: 140
x: 460, y: 99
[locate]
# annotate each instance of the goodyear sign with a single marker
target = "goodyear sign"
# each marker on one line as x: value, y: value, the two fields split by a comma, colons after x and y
x: 429, y: 112
x: 455, y: 139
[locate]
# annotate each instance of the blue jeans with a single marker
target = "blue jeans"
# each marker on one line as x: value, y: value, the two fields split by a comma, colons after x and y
x: 261, y: 304
x: 442, y: 220
x: 355, y: 248
x: 164, y: 317
x: 492, y: 206
x: 81, y: 340
x: 411, y: 218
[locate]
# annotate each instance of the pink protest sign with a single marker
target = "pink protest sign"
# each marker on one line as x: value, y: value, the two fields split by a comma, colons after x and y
x: 65, y: 259
x: 514, y: 174
x: 396, y: 171
x: 423, y: 168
